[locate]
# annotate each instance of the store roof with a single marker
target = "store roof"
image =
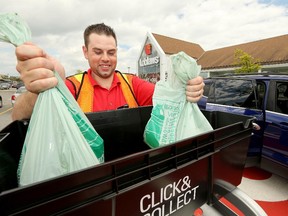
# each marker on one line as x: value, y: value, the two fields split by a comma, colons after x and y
x: 171, y: 46
x: 269, y: 51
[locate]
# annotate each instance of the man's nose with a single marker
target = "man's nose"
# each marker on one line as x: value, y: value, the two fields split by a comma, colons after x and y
x: 105, y: 57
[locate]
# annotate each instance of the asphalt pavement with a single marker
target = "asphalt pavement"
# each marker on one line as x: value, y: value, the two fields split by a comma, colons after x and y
x: 5, y: 111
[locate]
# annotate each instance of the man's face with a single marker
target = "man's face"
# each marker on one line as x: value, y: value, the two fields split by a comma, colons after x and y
x: 101, y: 54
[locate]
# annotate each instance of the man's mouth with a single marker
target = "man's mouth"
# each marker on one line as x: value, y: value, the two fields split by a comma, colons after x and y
x: 105, y: 67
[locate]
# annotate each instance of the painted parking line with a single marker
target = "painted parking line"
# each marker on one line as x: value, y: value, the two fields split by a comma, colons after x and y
x: 6, y: 111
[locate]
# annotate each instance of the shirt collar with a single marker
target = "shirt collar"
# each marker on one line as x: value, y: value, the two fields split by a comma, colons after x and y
x: 94, y: 82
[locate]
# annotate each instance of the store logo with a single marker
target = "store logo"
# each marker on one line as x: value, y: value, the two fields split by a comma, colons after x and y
x: 169, y: 198
x: 149, y: 61
x: 148, y: 49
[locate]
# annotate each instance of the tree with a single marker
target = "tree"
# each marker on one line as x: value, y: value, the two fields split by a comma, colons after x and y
x: 246, y: 62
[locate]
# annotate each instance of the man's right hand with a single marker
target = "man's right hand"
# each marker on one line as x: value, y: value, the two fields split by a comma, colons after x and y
x: 36, y: 68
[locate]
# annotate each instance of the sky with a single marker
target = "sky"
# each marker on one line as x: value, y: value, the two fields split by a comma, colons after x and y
x: 57, y: 25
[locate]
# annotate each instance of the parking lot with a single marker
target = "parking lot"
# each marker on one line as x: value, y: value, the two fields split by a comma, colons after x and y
x: 5, y: 111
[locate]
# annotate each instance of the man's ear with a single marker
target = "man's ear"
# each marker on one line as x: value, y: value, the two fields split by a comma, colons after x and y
x: 85, y: 51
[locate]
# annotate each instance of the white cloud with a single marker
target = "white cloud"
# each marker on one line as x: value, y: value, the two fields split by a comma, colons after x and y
x: 57, y: 25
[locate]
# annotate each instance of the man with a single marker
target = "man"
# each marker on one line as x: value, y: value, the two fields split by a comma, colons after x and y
x: 100, y: 88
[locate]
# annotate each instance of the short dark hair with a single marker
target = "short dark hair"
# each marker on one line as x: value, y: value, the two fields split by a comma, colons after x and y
x: 100, y: 29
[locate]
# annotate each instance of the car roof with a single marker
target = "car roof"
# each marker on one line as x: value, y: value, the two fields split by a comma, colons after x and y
x: 257, y: 76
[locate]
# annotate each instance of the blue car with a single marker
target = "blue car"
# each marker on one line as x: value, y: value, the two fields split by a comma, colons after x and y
x: 264, y: 96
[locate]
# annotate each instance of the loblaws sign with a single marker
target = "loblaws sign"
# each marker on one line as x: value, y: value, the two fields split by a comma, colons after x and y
x: 149, y: 61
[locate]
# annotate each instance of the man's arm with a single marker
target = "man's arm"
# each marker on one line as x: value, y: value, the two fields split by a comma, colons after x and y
x: 144, y: 90
x: 23, y: 106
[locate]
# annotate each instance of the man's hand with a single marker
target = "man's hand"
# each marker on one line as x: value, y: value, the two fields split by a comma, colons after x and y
x: 36, y: 68
x: 195, y: 89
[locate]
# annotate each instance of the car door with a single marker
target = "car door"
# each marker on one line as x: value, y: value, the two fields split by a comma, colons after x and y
x: 239, y: 96
x: 275, y: 142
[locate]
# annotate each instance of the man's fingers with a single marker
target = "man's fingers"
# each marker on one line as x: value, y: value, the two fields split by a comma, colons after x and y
x: 28, y: 51
x: 41, y: 85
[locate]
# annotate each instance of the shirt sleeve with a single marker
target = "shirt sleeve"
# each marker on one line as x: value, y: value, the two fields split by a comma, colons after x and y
x: 143, y: 91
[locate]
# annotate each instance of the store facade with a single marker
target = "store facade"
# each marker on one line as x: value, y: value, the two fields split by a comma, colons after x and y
x: 152, y: 62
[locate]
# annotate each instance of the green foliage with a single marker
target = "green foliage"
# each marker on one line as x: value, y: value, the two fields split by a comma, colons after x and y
x: 246, y: 63
x: 11, y: 78
x: 15, y: 78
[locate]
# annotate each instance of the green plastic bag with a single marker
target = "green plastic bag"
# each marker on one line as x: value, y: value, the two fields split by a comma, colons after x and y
x: 173, y: 118
x: 60, y: 139
x: 13, y: 29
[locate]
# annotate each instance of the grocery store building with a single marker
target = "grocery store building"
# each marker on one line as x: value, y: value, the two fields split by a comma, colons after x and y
x: 156, y: 49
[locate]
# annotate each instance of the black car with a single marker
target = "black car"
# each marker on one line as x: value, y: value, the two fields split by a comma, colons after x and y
x: 264, y: 96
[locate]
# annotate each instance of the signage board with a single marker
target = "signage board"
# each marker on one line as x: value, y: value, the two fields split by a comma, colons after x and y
x: 149, y: 63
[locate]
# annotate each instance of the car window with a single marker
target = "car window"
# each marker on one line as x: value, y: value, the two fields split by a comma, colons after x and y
x: 282, y: 97
x: 261, y: 90
x: 207, y: 92
x: 233, y: 92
